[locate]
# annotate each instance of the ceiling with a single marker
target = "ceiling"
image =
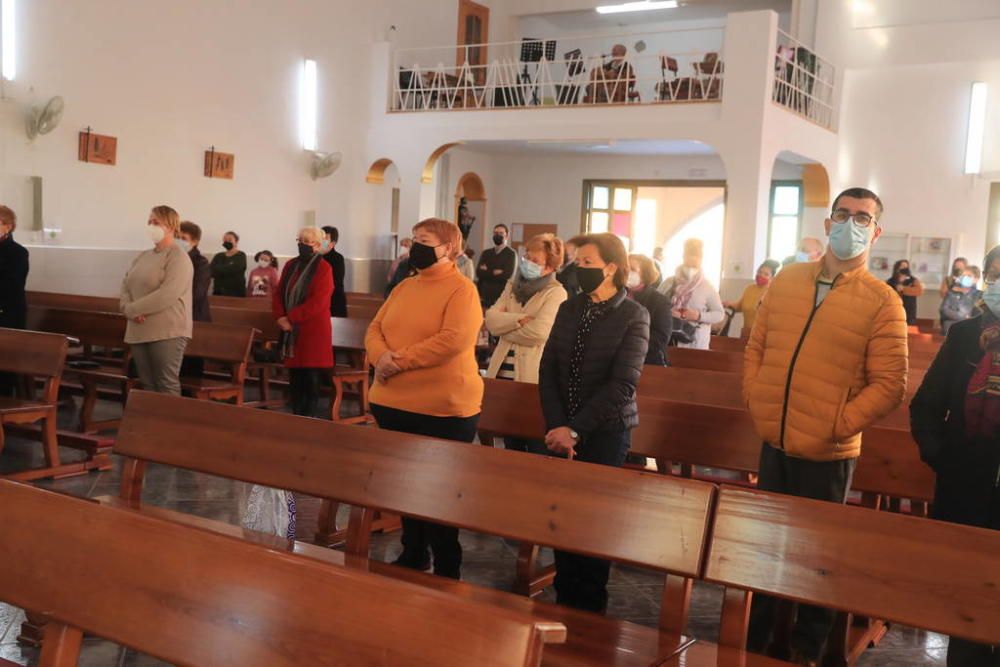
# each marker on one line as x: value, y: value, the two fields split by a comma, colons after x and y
x: 592, y: 147
x: 689, y: 10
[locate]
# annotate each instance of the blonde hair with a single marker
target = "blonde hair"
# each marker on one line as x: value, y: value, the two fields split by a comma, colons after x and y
x: 551, y: 245
x: 447, y: 232
x: 311, y: 235
x: 8, y: 217
x: 694, y: 247
x: 647, y: 269
x: 167, y: 217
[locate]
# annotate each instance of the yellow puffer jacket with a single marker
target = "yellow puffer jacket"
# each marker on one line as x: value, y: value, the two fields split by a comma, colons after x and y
x: 815, y: 377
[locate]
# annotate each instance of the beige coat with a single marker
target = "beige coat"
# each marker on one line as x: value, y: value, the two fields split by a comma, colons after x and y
x: 528, y: 341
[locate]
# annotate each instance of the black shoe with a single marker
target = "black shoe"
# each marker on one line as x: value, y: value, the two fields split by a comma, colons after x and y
x: 421, y: 563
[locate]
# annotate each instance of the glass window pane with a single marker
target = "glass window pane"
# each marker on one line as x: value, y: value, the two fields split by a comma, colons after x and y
x: 621, y: 224
x: 598, y: 222
x: 786, y: 200
x: 644, y: 231
x: 623, y: 199
x: 784, y: 236
x: 599, y: 198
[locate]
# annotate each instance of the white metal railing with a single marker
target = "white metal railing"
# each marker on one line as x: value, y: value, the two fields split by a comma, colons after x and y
x: 803, y: 81
x: 687, y: 67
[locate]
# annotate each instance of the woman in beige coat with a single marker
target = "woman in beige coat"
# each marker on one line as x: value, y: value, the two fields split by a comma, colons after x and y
x: 523, y: 315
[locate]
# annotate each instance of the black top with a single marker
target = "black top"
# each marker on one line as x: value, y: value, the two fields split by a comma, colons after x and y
x: 567, y: 276
x: 610, y: 367
x: 338, y: 302
x: 491, y: 286
x: 402, y: 273
x: 967, y: 468
x: 909, y: 302
x: 13, y: 276
x: 200, y: 310
x: 661, y: 324
x: 229, y: 274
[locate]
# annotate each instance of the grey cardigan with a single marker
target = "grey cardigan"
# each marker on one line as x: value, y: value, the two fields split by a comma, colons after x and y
x: 158, y: 287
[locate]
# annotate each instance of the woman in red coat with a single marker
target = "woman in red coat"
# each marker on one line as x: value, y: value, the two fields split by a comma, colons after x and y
x: 301, y: 305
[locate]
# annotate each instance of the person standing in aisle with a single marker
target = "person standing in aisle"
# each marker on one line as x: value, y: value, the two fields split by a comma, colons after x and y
x: 229, y: 268
x: 338, y: 302
x: 496, y: 267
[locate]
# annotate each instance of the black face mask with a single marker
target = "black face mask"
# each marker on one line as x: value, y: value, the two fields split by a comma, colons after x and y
x: 904, y: 272
x: 422, y: 256
x: 498, y: 239
x: 957, y: 273
x: 228, y: 245
x: 590, y: 278
x: 305, y: 250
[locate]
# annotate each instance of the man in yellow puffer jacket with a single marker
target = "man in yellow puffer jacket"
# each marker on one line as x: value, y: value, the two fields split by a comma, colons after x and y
x: 826, y: 358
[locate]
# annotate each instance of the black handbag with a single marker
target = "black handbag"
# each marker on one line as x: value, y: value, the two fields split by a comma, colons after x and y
x: 683, y: 332
x: 270, y: 352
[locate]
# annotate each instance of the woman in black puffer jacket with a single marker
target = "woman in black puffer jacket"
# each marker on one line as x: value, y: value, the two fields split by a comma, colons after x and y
x: 587, y: 381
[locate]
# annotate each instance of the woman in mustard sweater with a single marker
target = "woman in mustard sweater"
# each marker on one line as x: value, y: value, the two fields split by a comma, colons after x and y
x: 422, y: 342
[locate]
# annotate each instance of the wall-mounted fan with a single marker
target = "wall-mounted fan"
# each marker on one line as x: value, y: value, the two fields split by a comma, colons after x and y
x: 44, y: 119
x: 324, y: 164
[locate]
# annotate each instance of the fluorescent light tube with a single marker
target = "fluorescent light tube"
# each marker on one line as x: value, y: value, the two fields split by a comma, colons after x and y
x: 977, y: 129
x: 308, y: 111
x: 9, y: 39
x: 640, y: 6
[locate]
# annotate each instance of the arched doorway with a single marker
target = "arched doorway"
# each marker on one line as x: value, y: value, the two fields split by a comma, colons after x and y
x: 472, y: 215
x: 384, y: 184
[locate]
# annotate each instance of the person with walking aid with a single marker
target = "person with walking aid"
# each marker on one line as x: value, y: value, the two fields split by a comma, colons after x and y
x: 587, y: 383
x: 826, y: 358
x: 423, y: 345
x: 156, y: 300
x: 955, y: 419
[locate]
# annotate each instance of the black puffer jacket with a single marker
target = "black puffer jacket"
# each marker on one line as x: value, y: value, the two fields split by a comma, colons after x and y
x: 661, y: 324
x: 13, y: 275
x: 968, y: 469
x: 612, y: 364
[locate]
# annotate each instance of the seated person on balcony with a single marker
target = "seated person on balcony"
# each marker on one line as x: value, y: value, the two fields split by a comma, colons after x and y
x: 614, y: 81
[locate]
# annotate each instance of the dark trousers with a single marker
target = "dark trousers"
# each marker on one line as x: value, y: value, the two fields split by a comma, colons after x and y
x: 820, y: 480
x: 582, y: 581
x: 963, y: 653
x: 303, y: 387
x: 419, y: 535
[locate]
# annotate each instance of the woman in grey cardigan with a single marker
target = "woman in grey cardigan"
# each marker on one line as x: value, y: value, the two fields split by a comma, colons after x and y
x: 156, y: 299
x: 693, y: 299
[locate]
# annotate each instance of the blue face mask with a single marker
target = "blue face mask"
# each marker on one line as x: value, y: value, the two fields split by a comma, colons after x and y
x: 992, y: 297
x: 324, y: 245
x: 529, y: 270
x: 802, y: 256
x: 847, y: 240
x: 967, y: 281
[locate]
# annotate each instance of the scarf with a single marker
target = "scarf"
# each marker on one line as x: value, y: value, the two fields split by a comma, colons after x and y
x: 523, y: 289
x: 684, y: 287
x: 982, y: 403
x: 592, y: 312
x: 293, y: 294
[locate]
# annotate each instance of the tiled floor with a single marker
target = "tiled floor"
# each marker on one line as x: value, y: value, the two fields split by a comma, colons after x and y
x: 488, y: 561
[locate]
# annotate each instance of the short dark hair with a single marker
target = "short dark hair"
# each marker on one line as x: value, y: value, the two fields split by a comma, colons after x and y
x: 503, y: 227
x: 899, y: 262
x: 612, y: 251
x: 772, y: 264
x: 274, y: 260
x: 992, y: 257
x: 332, y: 232
x: 234, y: 235
x: 192, y: 230
x: 860, y: 193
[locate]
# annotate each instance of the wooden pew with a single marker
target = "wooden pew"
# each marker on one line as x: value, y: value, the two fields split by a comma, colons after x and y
x: 923, y: 573
x: 349, y: 336
x: 100, y: 304
x: 648, y: 520
x: 30, y: 355
x: 685, y: 357
x: 190, y: 597
x: 724, y: 344
x: 267, y: 334
x: 94, y: 372
x: 225, y: 344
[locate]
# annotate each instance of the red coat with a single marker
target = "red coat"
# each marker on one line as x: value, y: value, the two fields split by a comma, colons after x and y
x: 314, y: 342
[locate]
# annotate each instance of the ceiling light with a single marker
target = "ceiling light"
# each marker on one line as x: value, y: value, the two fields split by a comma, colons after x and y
x: 640, y: 6
x: 308, y: 105
x: 977, y: 129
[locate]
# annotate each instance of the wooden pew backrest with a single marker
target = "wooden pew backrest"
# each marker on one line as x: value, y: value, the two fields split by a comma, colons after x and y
x: 927, y: 574
x: 220, y: 342
x: 89, y: 327
x: 261, y: 320
x: 102, y: 304
x: 32, y: 353
x: 192, y: 597
x: 349, y: 333
x: 647, y: 520
x: 683, y: 357
x: 240, y: 302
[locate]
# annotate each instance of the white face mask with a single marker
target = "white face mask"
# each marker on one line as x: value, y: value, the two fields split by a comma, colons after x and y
x: 155, y: 233
x: 633, y: 280
x: 185, y: 246
x: 689, y: 272
x: 264, y: 263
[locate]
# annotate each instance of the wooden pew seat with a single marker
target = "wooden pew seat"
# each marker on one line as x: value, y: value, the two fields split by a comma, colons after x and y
x: 226, y: 344
x: 192, y: 597
x: 652, y: 521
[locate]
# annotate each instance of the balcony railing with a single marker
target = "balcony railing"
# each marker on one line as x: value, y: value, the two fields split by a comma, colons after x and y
x: 532, y: 73
x: 803, y: 81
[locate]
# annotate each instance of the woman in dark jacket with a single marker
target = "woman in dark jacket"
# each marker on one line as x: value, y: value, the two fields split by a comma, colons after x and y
x: 955, y: 419
x: 301, y: 305
x: 587, y: 381
x: 643, y: 277
x: 13, y: 274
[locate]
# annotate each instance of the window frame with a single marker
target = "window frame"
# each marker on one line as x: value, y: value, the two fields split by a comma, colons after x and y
x: 775, y: 184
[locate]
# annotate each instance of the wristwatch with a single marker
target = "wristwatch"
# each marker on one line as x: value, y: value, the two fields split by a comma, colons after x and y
x: 573, y: 434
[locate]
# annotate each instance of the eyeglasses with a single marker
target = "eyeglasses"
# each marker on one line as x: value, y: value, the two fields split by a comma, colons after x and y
x: 860, y: 219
